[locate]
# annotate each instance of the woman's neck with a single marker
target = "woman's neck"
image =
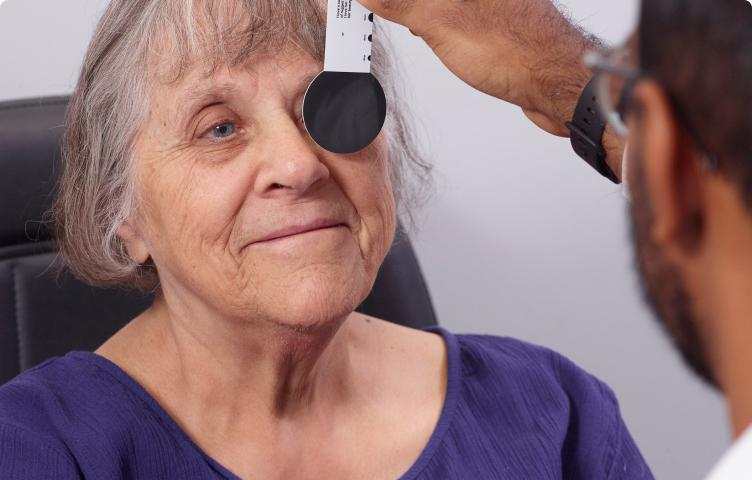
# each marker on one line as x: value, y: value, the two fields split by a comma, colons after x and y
x: 224, y: 375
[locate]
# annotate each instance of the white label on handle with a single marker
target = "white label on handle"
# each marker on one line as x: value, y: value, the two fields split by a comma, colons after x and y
x: 348, y: 37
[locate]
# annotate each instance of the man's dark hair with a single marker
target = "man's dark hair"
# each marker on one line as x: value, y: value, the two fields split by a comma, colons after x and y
x: 701, y: 52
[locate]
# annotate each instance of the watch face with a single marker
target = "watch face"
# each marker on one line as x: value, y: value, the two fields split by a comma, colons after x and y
x: 344, y: 111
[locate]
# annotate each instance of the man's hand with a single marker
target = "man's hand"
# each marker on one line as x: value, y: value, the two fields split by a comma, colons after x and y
x: 522, y: 51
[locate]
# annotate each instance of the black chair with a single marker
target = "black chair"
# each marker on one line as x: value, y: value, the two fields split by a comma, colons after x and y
x: 42, y: 316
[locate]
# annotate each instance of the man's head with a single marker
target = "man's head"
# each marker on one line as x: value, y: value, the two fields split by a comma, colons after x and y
x: 690, y: 170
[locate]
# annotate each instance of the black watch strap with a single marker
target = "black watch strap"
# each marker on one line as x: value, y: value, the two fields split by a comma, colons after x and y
x: 586, y: 132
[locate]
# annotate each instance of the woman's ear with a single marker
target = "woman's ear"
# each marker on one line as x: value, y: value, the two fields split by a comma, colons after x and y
x: 672, y: 177
x: 134, y: 244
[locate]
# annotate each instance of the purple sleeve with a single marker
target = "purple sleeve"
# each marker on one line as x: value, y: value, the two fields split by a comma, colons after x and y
x: 626, y: 462
x: 599, y: 444
x: 28, y: 456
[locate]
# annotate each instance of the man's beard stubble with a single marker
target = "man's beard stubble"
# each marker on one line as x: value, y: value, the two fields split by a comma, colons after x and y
x: 662, y: 285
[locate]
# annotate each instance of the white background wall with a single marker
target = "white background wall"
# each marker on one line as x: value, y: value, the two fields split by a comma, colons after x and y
x: 522, y: 238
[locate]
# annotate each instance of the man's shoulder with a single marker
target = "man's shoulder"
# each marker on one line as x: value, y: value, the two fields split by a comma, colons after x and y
x: 736, y: 463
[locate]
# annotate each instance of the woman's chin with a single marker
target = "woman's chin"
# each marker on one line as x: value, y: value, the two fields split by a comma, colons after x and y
x: 303, y: 311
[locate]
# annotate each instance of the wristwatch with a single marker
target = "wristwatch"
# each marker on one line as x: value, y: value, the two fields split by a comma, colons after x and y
x: 586, y: 132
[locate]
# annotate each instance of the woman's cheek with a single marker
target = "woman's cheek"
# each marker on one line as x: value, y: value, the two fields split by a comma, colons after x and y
x: 382, y: 220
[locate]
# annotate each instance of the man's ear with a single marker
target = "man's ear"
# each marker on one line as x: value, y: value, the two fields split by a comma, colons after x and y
x: 134, y: 244
x: 672, y: 177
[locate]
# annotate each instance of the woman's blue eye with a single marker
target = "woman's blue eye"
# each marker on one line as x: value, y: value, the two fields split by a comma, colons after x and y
x: 223, y: 130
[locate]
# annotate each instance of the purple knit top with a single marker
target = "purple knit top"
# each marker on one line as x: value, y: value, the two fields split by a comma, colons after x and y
x: 512, y: 411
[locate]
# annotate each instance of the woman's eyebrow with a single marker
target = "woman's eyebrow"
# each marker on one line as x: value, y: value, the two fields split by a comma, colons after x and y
x: 195, y: 100
x: 307, y: 81
x: 190, y: 103
x: 302, y: 87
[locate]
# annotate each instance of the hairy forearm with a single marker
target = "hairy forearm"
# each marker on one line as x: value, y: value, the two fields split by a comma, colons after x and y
x: 526, y: 52
x: 560, y: 76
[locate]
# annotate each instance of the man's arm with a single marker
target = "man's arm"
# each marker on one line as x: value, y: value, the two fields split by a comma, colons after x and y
x: 525, y: 52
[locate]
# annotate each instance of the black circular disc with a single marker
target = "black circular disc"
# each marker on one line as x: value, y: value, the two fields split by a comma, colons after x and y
x: 344, y: 111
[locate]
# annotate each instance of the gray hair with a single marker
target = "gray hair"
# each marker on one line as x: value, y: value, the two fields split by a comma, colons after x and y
x: 96, y: 191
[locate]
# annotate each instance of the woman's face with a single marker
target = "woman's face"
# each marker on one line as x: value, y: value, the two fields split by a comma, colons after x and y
x: 225, y: 161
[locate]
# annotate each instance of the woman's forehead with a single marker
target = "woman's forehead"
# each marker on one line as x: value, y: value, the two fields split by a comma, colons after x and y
x: 209, y: 35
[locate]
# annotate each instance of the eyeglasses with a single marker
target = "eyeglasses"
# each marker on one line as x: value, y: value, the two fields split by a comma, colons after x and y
x: 616, y: 74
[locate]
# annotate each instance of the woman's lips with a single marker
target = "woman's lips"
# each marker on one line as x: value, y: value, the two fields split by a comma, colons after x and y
x: 296, y: 232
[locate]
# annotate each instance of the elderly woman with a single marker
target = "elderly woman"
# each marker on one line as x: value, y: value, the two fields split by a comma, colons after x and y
x: 188, y: 171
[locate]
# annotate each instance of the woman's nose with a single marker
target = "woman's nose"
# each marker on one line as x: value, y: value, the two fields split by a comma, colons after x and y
x: 291, y: 165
